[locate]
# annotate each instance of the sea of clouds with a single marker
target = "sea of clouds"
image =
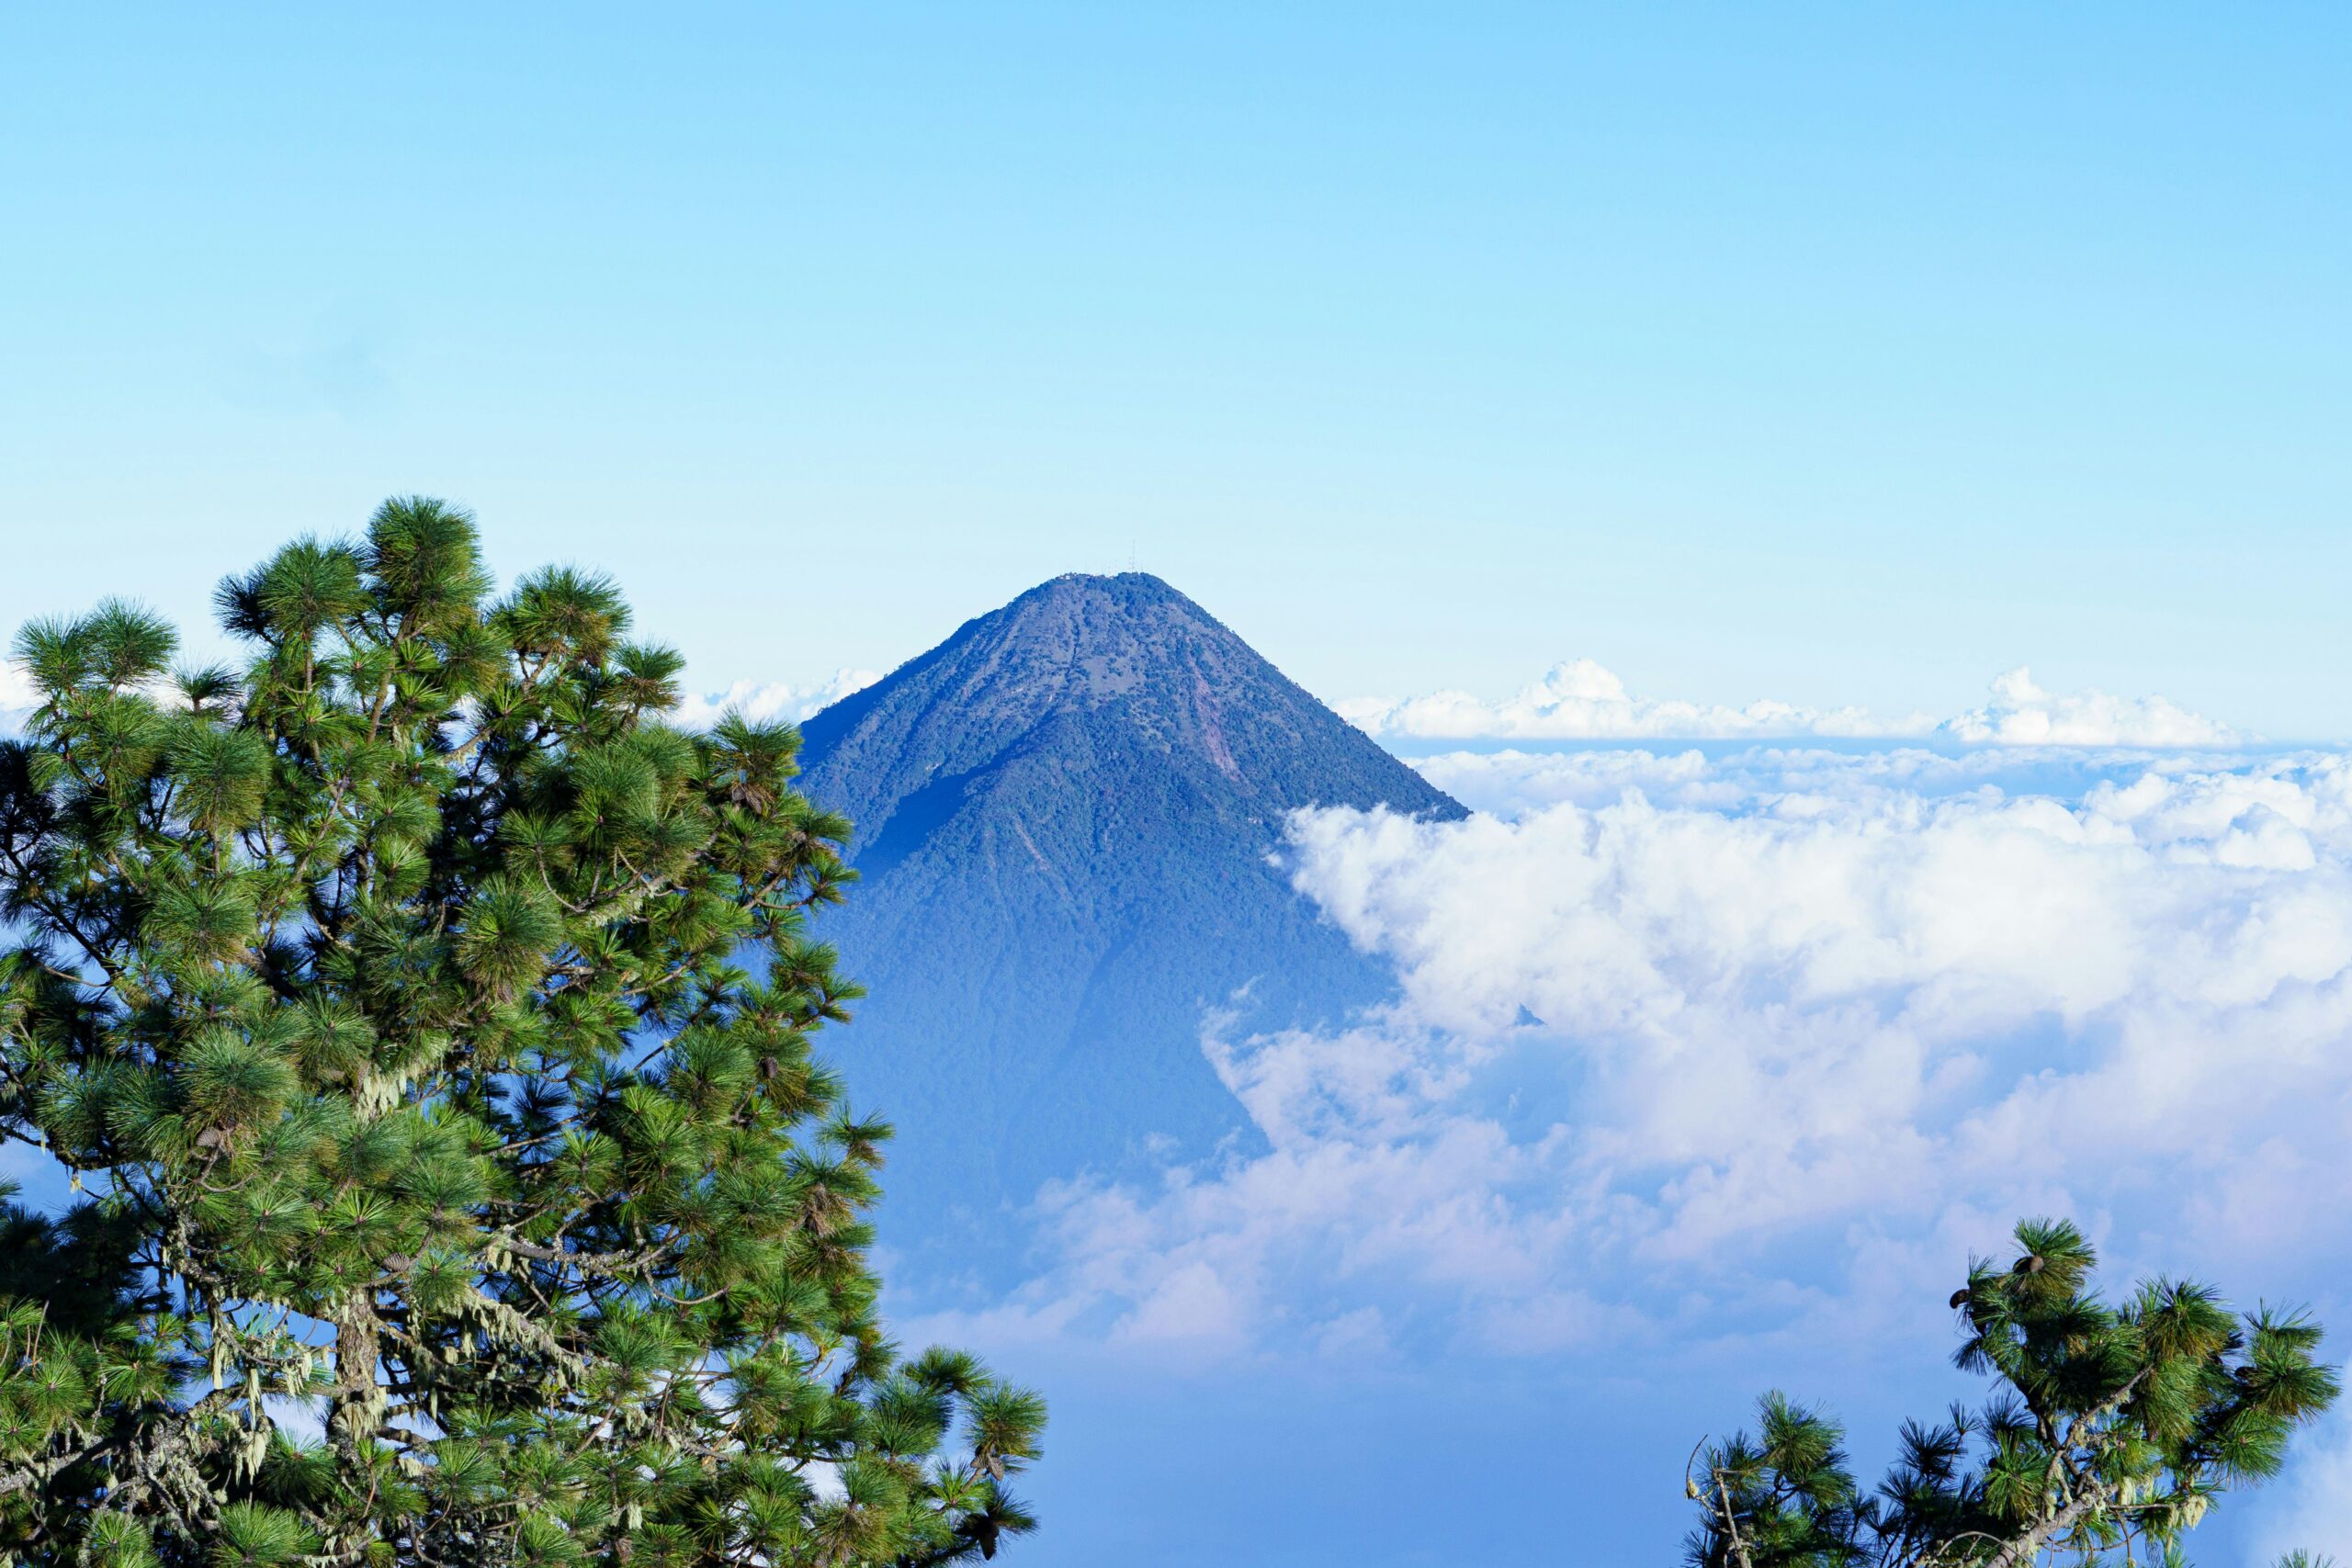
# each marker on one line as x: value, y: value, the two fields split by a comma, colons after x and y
x: 1725, y: 1047
x: 1662, y: 1017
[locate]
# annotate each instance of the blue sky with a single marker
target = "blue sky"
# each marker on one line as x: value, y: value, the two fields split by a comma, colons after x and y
x: 1846, y: 358
x: 1841, y: 357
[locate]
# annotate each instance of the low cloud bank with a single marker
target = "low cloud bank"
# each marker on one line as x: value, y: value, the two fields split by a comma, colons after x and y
x: 1580, y: 700
x: 1772, y: 1061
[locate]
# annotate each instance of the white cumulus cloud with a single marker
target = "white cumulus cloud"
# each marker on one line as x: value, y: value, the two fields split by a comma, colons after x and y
x: 2023, y: 714
x: 1582, y: 699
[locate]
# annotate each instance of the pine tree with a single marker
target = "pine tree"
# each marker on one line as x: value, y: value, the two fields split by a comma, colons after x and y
x: 2112, y: 1431
x: 427, y: 1027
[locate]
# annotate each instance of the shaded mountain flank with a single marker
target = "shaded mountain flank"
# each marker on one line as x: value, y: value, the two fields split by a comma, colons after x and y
x: 1064, y: 818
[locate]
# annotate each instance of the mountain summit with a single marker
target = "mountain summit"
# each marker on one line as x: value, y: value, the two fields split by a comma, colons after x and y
x: 1064, y: 818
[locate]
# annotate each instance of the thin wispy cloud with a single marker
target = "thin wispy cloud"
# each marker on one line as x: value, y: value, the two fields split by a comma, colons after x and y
x: 1582, y: 700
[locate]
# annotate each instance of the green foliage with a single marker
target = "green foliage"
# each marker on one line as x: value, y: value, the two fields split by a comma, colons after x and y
x: 2113, y: 1430
x: 429, y: 1028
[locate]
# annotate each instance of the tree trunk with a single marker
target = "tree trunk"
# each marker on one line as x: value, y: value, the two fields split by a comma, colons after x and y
x: 358, y: 1400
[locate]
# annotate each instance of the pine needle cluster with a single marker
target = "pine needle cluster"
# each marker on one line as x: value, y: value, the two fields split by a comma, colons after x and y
x: 427, y: 1027
x: 2113, y: 1430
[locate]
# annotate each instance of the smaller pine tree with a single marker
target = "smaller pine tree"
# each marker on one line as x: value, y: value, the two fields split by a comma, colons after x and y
x: 2113, y: 1430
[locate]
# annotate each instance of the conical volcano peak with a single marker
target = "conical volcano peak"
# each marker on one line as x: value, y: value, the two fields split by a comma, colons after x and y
x: 1135, y: 665
x: 1138, y: 582
x: 1065, y: 817
x: 1095, y: 623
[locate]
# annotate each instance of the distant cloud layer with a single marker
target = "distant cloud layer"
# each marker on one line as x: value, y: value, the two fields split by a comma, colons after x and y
x: 1690, y: 1050
x: 1582, y: 699
x: 762, y: 700
x: 1579, y: 701
x: 2023, y: 714
x: 770, y: 700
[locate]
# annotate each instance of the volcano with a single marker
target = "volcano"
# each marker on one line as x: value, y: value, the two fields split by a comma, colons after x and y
x: 1066, y: 819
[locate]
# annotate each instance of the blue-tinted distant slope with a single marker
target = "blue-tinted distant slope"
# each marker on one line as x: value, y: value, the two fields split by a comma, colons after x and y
x: 1064, y: 815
